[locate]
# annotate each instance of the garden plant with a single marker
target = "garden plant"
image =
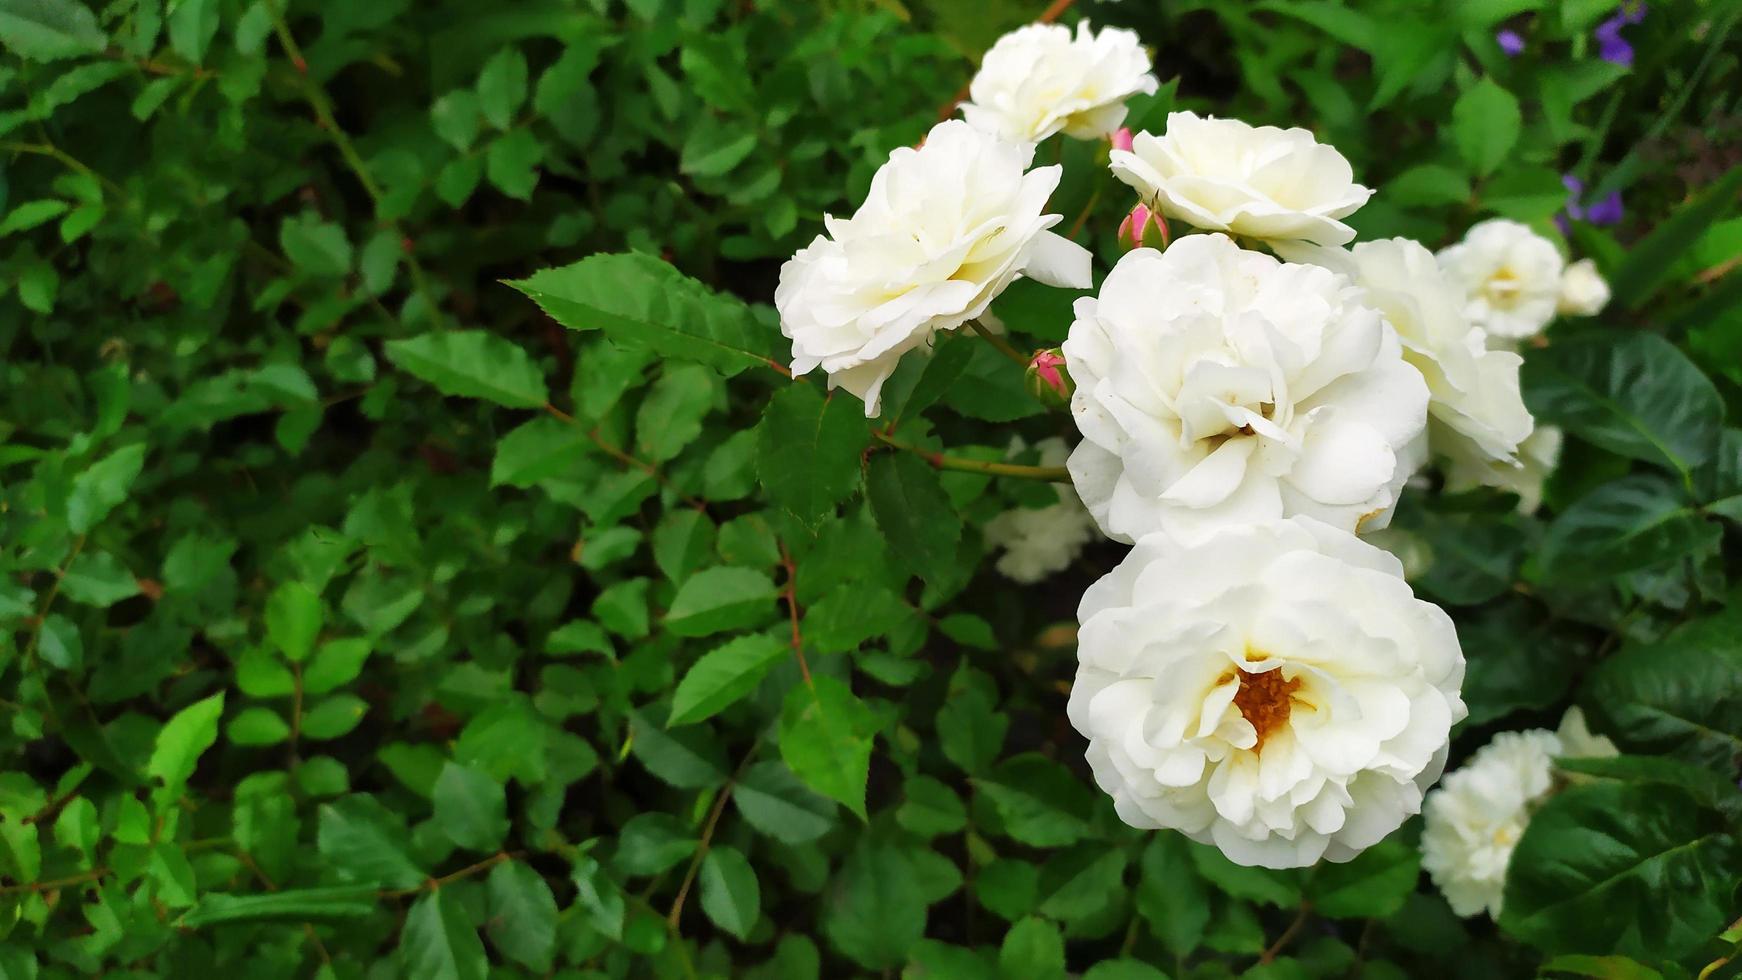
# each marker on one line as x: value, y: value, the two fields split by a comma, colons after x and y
x: 796, y: 489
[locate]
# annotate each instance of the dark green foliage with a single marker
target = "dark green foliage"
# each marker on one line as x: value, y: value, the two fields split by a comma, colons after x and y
x: 415, y: 562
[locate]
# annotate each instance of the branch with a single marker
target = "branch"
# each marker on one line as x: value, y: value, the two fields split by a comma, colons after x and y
x: 1051, y: 474
x: 1003, y: 345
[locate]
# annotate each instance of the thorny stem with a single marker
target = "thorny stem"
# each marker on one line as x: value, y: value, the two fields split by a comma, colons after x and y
x: 998, y: 342
x: 1052, y: 474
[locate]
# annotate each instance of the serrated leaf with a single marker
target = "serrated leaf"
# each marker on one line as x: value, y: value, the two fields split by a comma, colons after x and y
x: 1617, y: 867
x: 473, y: 364
x: 438, y: 941
x: 523, y: 915
x: 640, y: 300
x: 723, y: 675
x: 1632, y: 523
x: 718, y: 599
x: 916, y: 517
x: 825, y: 737
x: 774, y: 801
x: 808, y: 450
x: 731, y: 896
x: 1630, y: 393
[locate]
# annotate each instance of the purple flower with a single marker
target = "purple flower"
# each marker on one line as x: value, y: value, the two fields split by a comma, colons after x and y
x: 1611, y: 46
x: 1607, y: 211
x: 1511, y: 42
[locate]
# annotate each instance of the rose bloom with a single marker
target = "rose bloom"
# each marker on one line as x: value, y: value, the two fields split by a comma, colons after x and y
x: 1257, y: 181
x: 1510, y: 277
x: 1039, y: 80
x: 1537, y: 456
x: 1474, y: 820
x: 1039, y: 542
x: 1220, y: 386
x: 1475, y: 408
x: 944, y: 229
x: 1583, y: 290
x: 1273, y: 689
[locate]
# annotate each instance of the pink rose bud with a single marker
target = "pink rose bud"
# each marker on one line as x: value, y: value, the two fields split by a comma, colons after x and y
x: 1049, y: 380
x: 1135, y: 228
x: 1122, y: 138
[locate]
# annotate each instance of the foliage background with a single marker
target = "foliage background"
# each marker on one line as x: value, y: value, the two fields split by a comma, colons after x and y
x: 353, y: 605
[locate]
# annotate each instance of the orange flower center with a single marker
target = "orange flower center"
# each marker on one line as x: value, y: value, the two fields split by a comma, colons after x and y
x: 1264, y: 700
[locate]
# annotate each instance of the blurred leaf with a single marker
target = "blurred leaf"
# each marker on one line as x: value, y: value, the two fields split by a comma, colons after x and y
x: 439, y: 943
x: 523, y: 915
x: 48, y: 30
x: 730, y: 895
x: 1648, y: 263
x: 1485, y: 125
x: 825, y: 736
x: 471, y: 808
x: 182, y: 740
x: 290, y: 905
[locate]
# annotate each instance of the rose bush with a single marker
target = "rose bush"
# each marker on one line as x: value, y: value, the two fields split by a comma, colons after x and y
x: 419, y: 561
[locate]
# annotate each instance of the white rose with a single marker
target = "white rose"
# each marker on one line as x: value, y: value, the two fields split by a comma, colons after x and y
x: 1583, y: 290
x: 1274, y: 689
x: 1475, y: 407
x: 944, y: 229
x: 1510, y: 277
x: 1537, y: 456
x: 1257, y: 181
x: 1041, y: 541
x: 1039, y: 80
x: 1474, y: 819
x: 1220, y: 386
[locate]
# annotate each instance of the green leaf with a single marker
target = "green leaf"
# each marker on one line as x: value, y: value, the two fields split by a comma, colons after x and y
x: 670, y: 417
x: 523, y: 915
x: 438, y: 941
x: 808, y: 450
x: 502, y: 87
x: 362, y: 841
x: 825, y: 737
x: 1485, y: 126
x: 335, y: 664
x: 1032, y: 950
x: 102, y: 486
x: 60, y: 644
x: 182, y: 740
x: 293, y: 620
x: 774, y: 801
x: 289, y: 905
x: 333, y: 717
x: 1631, y: 393
x: 1679, y: 695
x: 875, y: 910
x: 98, y: 579
x: 640, y: 300
x: 598, y: 897
x: 712, y: 151
x: 48, y: 30
x: 29, y: 214
x: 1278, y: 888
x: 317, y: 247
x: 471, y: 808
x: 689, y: 758
x: 473, y: 364
x: 1616, y: 867
x: 1040, y: 803
x: 258, y: 726
x: 718, y: 599
x: 918, y: 521
x: 730, y: 894
x: 1123, y: 969
x: 1373, y: 885
x: 682, y: 543
x: 723, y: 675
x: 1081, y: 881
x: 1171, y: 896
x: 930, y: 808
x: 1649, y: 263
x: 1638, y: 521
x: 650, y: 843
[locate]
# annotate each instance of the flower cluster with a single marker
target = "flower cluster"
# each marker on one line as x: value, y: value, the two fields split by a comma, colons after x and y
x: 1250, y: 399
x: 1474, y: 820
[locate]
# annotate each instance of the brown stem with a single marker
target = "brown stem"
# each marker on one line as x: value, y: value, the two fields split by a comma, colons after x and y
x: 1288, y: 934
x: 622, y: 457
x: 1004, y: 346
